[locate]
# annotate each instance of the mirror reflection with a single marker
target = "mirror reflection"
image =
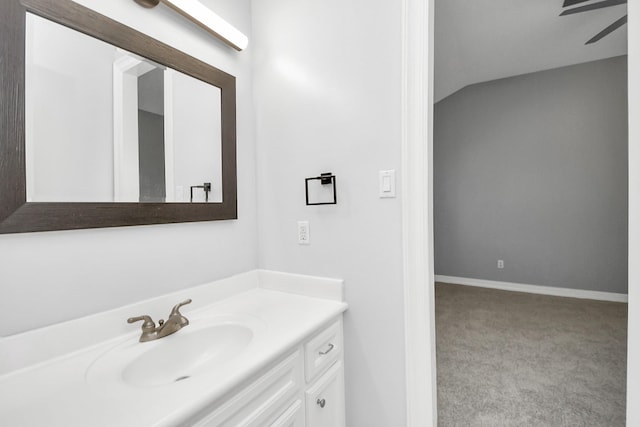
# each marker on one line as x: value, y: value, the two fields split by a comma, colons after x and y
x: 106, y: 125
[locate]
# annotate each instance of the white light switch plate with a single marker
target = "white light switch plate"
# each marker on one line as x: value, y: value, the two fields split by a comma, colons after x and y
x: 387, y: 183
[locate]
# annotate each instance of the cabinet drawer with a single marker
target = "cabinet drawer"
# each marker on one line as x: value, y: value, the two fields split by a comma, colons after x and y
x: 324, y: 400
x: 322, y: 350
x: 263, y: 399
x: 292, y: 417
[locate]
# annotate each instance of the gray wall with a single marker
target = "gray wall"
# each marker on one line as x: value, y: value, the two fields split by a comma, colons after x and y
x: 151, y: 157
x: 533, y: 170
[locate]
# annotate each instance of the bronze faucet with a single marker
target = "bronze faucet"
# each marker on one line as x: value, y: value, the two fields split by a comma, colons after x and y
x: 174, y: 323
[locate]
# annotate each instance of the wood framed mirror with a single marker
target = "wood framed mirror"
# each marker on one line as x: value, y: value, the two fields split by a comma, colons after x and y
x: 20, y: 211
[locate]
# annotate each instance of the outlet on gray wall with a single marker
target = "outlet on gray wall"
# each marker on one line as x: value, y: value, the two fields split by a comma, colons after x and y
x: 535, y: 167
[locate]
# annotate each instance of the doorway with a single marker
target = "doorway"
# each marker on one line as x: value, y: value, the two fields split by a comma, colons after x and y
x: 417, y: 19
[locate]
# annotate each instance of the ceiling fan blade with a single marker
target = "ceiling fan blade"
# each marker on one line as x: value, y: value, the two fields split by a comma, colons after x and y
x: 593, y: 6
x: 619, y: 23
x: 568, y: 3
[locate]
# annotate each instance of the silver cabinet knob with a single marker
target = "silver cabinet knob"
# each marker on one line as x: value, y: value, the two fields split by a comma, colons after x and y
x: 321, y: 402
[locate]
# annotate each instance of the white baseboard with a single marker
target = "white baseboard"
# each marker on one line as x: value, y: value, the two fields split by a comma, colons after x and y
x: 534, y: 289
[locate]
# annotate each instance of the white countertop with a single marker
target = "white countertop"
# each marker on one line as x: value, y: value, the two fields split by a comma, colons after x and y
x: 56, y: 392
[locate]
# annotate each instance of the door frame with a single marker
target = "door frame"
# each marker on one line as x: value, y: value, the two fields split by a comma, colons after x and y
x: 633, y: 326
x: 417, y: 212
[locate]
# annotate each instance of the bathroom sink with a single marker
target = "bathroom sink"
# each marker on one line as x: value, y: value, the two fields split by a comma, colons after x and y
x: 180, y: 357
x: 201, y: 346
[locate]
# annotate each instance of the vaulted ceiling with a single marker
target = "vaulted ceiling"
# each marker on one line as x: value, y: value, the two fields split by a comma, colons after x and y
x: 483, y: 40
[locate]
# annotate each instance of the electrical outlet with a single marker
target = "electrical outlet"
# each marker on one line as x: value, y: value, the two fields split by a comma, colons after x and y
x: 500, y: 264
x: 303, y: 233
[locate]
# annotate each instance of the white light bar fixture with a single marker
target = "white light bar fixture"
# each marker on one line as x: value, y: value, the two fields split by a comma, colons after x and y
x: 205, y: 18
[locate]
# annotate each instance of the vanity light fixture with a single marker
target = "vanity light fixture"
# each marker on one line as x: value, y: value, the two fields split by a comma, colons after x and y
x: 204, y: 18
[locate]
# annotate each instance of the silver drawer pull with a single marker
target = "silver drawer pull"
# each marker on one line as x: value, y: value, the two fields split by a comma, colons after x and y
x: 322, y: 353
x: 321, y: 402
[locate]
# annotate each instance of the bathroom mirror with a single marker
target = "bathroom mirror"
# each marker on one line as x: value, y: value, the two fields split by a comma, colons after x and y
x: 103, y: 126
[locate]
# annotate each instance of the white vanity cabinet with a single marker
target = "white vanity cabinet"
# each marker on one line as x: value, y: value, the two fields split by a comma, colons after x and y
x: 261, y: 402
x: 324, y: 373
x: 304, y: 388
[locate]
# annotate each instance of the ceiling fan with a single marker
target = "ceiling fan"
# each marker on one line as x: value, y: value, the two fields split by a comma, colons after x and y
x: 593, y: 6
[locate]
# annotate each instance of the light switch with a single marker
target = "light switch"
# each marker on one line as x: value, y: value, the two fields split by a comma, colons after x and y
x: 387, y: 183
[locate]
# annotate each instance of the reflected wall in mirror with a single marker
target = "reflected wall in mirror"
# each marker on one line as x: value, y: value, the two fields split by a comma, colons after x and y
x: 106, y: 125
x: 103, y: 126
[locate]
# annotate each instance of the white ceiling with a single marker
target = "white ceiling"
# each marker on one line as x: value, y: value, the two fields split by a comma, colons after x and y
x: 483, y: 40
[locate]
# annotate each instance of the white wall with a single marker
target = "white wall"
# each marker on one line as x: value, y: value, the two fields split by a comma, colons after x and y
x: 633, y: 331
x: 328, y: 97
x: 196, y: 119
x: 50, y: 277
x: 486, y: 40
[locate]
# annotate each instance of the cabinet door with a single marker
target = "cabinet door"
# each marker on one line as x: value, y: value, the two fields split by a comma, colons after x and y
x: 325, y: 399
x: 292, y: 417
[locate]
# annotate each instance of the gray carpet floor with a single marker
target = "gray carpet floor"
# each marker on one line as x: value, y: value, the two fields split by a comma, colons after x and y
x: 516, y: 359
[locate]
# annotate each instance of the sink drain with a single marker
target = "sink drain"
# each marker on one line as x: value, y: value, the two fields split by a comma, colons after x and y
x: 184, y: 377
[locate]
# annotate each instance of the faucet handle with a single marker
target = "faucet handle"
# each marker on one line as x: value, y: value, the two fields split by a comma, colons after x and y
x: 148, y: 322
x: 176, y: 308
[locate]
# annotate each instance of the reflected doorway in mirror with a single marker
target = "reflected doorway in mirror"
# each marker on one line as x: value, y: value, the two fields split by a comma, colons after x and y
x: 106, y: 125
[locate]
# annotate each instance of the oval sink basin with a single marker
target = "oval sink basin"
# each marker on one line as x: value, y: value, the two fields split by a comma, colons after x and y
x: 186, y: 352
x: 174, y: 358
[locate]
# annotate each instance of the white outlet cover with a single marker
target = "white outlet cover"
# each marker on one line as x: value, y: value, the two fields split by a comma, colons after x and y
x: 303, y: 233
